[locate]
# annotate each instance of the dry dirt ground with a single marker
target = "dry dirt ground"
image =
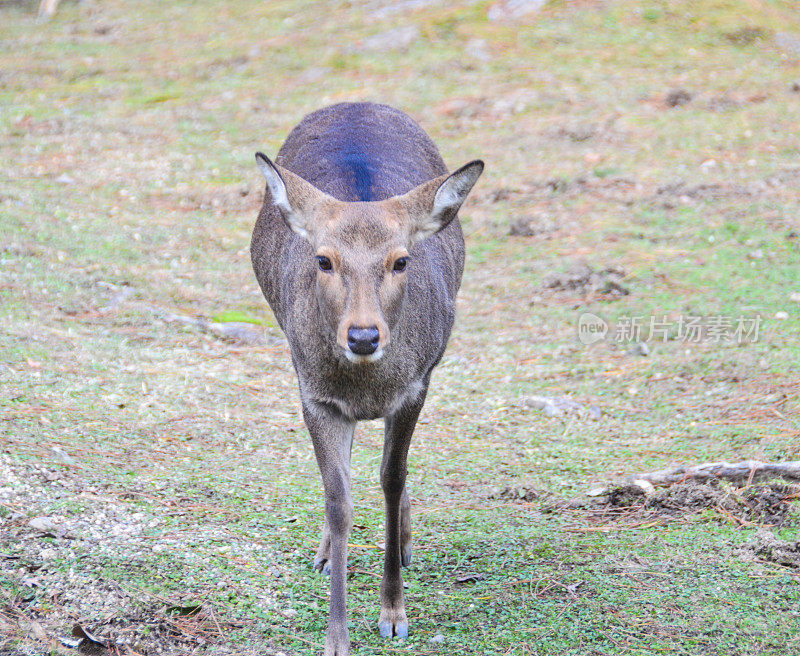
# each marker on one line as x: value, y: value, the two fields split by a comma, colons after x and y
x: 157, y: 489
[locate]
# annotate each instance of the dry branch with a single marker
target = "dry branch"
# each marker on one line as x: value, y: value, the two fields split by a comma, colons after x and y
x: 746, y: 470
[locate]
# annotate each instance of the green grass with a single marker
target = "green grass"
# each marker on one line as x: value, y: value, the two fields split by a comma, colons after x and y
x: 129, y: 160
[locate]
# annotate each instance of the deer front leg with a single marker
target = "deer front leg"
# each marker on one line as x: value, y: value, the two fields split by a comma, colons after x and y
x: 332, y: 436
x: 399, y: 428
x: 322, y: 561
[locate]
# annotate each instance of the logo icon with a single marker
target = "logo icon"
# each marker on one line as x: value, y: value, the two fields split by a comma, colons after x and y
x: 591, y: 328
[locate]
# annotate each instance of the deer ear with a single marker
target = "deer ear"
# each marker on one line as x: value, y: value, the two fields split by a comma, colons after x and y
x: 293, y: 196
x: 440, y: 199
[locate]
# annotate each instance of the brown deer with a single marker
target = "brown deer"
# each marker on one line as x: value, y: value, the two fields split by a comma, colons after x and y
x: 359, y: 253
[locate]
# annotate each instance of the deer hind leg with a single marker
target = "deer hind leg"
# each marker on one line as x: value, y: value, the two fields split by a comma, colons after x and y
x: 322, y: 561
x: 405, y: 529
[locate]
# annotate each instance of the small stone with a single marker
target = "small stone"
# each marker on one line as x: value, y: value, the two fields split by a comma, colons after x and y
x: 530, y: 225
x: 641, y: 348
x: 521, y: 227
x: 62, y: 456
x: 48, y: 554
x: 781, y: 315
x: 551, y: 410
x: 597, y: 491
x: 314, y: 74
x: 289, y: 613
x: 43, y: 524
x: 678, y: 97
x: 478, y: 48
x: 399, y: 38
x: 795, y: 297
x: 505, y: 10
x: 757, y: 254
x: 437, y: 639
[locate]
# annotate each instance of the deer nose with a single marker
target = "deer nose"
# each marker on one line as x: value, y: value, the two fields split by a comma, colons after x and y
x: 363, y: 341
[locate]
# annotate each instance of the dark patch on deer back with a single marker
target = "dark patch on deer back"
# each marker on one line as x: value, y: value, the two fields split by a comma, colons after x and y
x: 358, y: 165
x: 361, y: 152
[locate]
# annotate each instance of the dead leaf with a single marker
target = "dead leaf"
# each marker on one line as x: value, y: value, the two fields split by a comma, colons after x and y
x: 72, y: 643
x: 80, y: 632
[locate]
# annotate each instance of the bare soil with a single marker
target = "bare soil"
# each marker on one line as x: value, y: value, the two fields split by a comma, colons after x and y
x: 767, y: 547
x: 767, y: 504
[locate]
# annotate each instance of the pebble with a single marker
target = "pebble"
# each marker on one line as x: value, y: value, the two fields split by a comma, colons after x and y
x: 48, y: 553
x: 478, y: 48
x: 597, y: 491
x: 782, y: 315
x: 795, y: 297
x: 62, y: 456
x: 399, y: 38
x: 506, y: 10
x: 437, y: 639
x: 43, y: 524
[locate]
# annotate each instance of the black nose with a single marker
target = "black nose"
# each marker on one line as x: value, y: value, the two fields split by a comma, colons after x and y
x: 363, y: 341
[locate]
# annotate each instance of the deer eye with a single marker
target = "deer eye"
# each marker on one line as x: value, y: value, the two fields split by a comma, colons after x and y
x: 400, y: 264
x: 324, y: 263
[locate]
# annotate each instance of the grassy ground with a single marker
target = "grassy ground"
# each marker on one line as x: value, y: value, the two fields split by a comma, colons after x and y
x: 174, y: 467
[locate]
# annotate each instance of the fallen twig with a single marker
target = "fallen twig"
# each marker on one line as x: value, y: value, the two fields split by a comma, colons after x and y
x: 746, y: 470
x: 607, y: 528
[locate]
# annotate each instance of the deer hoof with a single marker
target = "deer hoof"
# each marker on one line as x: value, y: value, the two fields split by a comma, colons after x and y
x: 406, y: 557
x: 337, y: 645
x: 323, y: 565
x: 395, y: 626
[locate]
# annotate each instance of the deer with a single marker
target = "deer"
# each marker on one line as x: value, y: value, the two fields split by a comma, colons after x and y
x: 359, y: 252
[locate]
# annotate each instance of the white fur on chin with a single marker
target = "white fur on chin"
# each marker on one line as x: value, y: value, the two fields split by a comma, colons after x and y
x: 362, y: 359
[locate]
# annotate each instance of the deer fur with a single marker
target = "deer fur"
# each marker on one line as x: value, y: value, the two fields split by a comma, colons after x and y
x: 360, y: 188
